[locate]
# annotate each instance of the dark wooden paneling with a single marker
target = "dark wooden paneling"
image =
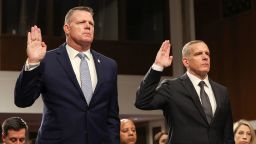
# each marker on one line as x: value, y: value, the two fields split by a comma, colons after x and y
x: 13, y: 51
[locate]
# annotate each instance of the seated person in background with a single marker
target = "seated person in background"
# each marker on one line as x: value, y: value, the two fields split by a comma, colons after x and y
x: 243, y: 132
x: 127, y: 132
x: 14, y: 131
x: 161, y: 137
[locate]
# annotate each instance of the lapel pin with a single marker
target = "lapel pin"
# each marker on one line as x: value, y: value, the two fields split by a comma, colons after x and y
x: 98, y: 61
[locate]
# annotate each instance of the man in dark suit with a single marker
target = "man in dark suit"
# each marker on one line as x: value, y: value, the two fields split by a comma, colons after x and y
x: 195, y: 114
x: 70, y: 114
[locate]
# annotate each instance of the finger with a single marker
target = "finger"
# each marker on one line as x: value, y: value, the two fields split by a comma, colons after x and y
x: 28, y: 38
x: 39, y: 34
x: 171, y: 58
x: 167, y: 47
x: 43, y: 45
x: 32, y: 33
x: 161, y: 48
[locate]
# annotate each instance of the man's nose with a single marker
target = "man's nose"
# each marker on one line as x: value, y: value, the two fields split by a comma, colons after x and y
x: 205, y: 56
x: 87, y: 23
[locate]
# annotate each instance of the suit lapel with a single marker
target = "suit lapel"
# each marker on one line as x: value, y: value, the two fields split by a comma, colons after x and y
x: 193, y: 94
x: 99, y: 71
x: 217, y: 96
x: 63, y: 59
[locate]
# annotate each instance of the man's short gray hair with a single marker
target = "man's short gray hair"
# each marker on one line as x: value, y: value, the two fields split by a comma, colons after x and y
x: 79, y: 8
x: 186, y: 47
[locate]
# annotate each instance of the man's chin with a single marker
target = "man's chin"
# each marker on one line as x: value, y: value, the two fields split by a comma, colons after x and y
x: 86, y: 41
x: 205, y: 70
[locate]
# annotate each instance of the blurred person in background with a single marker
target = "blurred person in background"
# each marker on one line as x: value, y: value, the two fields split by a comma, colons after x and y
x: 14, y: 131
x: 161, y: 137
x: 244, y: 132
x: 128, y: 133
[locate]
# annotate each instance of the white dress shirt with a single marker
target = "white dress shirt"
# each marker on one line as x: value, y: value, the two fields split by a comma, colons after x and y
x: 75, y: 62
x: 207, y: 87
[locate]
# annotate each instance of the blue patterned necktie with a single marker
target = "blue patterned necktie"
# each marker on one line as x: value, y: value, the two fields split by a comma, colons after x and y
x: 205, y: 102
x: 86, y: 83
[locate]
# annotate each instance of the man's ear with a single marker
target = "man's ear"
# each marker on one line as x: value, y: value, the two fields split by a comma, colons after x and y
x: 3, y: 137
x: 185, y: 61
x: 66, y: 29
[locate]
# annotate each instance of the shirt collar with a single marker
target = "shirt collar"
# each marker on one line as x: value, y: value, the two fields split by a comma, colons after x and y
x: 195, y: 80
x: 73, y: 53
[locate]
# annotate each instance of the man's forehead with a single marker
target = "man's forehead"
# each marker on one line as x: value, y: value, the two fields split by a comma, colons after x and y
x: 12, y: 132
x: 81, y: 12
x: 199, y: 46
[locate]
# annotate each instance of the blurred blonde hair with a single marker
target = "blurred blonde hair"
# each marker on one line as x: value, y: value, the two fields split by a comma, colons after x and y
x: 246, y: 123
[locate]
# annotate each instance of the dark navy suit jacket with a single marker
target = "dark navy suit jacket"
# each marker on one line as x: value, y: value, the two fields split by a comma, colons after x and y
x: 67, y: 118
x: 183, y: 110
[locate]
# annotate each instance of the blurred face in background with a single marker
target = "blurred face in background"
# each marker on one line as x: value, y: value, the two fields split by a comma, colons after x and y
x: 127, y: 132
x: 243, y: 135
x: 163, y: 139
x: 15, y: 137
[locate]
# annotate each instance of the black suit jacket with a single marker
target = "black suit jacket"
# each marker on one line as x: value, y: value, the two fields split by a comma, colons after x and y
x: 67, y: 119
x: 183, y: 111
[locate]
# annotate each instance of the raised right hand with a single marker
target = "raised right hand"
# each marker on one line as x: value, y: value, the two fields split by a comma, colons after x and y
x: 163, y: 57
x: 36, y: 48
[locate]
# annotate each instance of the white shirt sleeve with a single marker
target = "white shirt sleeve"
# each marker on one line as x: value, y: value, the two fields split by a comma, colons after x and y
x: 157, y: 67
x: 31, y: 66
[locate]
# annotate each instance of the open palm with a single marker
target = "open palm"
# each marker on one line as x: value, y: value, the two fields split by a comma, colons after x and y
x: 36, y: 48
x: 163, y: 57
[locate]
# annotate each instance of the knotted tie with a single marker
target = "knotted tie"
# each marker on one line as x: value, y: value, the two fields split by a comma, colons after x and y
x: 205, y: 102
x: 86, y: 83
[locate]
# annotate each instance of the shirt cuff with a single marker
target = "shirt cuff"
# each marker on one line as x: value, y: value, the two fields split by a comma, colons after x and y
x: 31, y: 66
x: 157, y: 67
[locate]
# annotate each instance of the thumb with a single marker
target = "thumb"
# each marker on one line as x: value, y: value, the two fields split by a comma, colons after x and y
x: 171, y: 57
x: 43, y: 44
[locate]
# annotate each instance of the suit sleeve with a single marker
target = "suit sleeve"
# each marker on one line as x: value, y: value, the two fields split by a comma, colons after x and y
x: 228, y: 131
x: 113, y: 116
x: 151, y: 95
x: 27, y: 88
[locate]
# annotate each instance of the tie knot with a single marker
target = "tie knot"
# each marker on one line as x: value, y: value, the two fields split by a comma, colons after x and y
x: 81, y: 55
x: 201, y: 83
